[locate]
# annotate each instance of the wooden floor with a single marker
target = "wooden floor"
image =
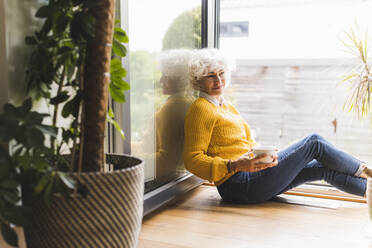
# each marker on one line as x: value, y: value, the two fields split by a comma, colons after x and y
x: 201, y: 219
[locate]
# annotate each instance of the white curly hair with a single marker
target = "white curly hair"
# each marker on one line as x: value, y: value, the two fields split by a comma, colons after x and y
x: 207, y: 60
x: 174, y: 65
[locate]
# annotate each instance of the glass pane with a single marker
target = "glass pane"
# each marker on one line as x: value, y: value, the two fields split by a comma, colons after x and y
x: 159, y: 89
x: 291, y: 61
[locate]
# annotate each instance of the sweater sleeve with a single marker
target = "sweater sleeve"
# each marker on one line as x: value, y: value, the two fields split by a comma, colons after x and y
x: 199, y: 125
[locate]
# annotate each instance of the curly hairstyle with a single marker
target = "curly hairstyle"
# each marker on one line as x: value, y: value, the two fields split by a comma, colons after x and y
x: 174, y: 65
x: 207, y: 60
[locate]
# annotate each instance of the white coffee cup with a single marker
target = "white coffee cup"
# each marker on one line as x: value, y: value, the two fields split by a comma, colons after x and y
x: 270, y: 151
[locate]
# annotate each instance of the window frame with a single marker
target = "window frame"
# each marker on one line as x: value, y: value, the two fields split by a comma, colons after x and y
x: 158, y: 197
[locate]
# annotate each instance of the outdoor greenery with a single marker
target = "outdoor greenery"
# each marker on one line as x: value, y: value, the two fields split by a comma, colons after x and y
x: 34, y: 142
x: 185, y: 31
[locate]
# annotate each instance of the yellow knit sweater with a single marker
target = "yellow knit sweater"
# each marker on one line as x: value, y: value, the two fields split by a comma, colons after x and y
x: 213, y: 136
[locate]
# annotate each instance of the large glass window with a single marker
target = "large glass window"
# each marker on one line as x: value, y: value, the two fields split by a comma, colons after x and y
x: 161, y: 32
x: 291, y: 61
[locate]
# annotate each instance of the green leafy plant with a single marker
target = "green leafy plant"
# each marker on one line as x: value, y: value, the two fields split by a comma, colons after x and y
x: 360, y: 79
x: 184, y: 31
x: 39, y: 149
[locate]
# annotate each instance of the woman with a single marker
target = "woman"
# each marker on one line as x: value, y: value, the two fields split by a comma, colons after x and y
x: 218, y: 142
x: 170, y: 118
x: 165, y: 163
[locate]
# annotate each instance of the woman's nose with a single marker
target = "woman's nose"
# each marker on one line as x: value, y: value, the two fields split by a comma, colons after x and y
x: 217, y: 80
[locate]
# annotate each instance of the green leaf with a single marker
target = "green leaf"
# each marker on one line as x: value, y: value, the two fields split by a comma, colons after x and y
x: 68, y: 109
x: 68, y: 181
x: 120, y: 72
x: 11, y: 111
x: 68, y: 44
x: 9, y: 234
x: 61, y: 97
x: 120, y: 35
x: 30, y: 40
x: 34, y: 138
x: 70, y: 67
x: 120, y: 83
x: 9, y: 184
x: 44, y: 11
x: 48, y: 24
x: 41, y: 184
x: 10, y: 196
x: 117, y: 21
x: 115, y: 64
x: 61, y: 22
x: 119, y: 49
x: 82, y: 26
x: 111, y: 113
x: 48, y: 192
x: 26, y: 106
x: 17, y: 215
x: 5, y: 163
x: 72, y: 106
x: 77, y: 2
x: 87, y: 23
x: 116, y: 69
x: 9, y: 129
x: 40, y: 163
x: 33, y: 118
x: 116, y: 93
x: 67, y: 134
x: 60, y: 188
x: 49, y: 130
x: 117, y: 127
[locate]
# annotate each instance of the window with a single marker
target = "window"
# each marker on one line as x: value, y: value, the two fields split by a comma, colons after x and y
x: 234, y: 29
x: 290, y: 67
x: 159, y: 97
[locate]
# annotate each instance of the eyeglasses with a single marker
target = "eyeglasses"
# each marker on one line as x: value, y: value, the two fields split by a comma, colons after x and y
x: 213, y: 77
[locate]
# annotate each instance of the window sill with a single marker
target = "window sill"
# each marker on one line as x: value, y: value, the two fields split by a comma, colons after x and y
x: 326, y: 192
x: 319, y: 191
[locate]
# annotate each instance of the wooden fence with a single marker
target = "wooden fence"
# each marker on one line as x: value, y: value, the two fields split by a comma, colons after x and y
x: 285, y: 101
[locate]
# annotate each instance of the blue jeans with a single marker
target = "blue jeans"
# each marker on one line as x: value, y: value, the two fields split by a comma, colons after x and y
x: 310, y: 159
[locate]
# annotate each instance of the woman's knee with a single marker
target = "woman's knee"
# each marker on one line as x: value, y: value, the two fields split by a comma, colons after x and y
x: 315, y: 136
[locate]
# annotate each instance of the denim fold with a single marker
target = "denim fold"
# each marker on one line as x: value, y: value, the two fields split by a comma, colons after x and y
x: 310, y: 159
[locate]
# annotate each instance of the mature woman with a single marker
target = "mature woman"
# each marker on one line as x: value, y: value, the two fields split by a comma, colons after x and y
x: 170, y: 118
x: 218, y: 142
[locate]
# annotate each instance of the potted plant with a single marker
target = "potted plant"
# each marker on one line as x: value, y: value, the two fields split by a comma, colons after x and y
x: 360, y: 77
x: 52, y: 176
x: 359, y: 100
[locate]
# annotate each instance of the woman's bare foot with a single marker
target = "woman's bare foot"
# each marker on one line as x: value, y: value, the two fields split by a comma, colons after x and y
x: 367, y: 172
x: 363, y: 175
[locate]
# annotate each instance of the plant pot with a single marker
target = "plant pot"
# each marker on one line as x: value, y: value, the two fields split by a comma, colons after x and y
x: 109, y: 216
x: 369, y: 196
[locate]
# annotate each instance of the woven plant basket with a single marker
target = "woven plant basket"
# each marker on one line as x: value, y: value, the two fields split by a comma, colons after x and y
x: 109, y: 216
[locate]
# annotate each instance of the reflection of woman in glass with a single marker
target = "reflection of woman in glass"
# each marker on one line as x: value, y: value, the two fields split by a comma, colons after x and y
x: 170, y: 118
x: 218, y: 141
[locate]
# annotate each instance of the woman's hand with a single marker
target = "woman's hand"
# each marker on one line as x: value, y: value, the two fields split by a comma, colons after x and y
x: 245, y: 163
